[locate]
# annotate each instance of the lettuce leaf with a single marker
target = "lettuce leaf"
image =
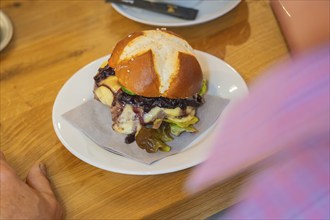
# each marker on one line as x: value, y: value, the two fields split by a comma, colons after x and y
x: 176, y: 130
x: 183, y: 122
x: 203, y: 89
x: 180, y: 125
x: 127, y: 91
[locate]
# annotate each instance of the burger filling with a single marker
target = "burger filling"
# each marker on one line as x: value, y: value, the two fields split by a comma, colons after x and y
x: 150, y: 122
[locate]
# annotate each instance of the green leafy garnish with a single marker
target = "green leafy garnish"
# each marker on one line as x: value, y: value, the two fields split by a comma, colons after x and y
x: 203, y: 89
x: 180, y: 125
x: 183, y: 122
x: 127, y: 91
x: 176, y: 130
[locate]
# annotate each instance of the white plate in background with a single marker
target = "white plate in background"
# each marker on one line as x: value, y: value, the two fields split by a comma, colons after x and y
x: 6, y: 30
x: 208, y: 10
x: 223, y: 80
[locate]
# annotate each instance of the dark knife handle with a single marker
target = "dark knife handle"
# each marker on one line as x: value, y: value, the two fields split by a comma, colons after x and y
x: 160, y: 7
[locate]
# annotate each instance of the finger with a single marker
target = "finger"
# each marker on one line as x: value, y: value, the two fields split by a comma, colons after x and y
x: 37, y: 179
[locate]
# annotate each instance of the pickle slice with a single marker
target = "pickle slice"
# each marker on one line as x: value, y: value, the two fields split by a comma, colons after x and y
x: 164, y: 132
x: 153, y: 140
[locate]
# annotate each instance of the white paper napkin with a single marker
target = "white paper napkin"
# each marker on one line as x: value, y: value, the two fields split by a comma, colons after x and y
x: 94, y: 120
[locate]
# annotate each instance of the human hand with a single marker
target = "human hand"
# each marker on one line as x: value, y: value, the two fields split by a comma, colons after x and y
x: 34, y: 199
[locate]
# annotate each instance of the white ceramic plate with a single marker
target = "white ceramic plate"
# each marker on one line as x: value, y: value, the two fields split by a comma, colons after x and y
x: 6, y: 30
x: 208, y: 10
x: 223, y: 80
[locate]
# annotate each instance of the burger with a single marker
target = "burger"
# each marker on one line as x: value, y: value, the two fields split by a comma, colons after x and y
x: 153, y: 84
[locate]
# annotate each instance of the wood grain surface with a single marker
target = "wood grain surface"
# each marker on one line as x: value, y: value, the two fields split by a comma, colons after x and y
x: 54, y: 39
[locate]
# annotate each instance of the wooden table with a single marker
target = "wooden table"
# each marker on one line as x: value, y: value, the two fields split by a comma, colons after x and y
x: 52, y: 40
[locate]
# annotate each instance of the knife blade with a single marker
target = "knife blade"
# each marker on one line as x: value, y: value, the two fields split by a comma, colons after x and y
x: 160, y: 7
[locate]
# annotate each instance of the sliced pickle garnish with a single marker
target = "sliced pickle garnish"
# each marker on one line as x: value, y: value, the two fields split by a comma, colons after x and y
x: 164, y: 132
x: 153, y: 140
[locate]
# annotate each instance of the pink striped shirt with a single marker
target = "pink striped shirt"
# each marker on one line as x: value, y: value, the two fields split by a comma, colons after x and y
x: 283, y: 127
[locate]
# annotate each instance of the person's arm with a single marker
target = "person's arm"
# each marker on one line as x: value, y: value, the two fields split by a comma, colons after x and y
x: 34, y: 199
x: 284, y: 106
x: 305, y: 24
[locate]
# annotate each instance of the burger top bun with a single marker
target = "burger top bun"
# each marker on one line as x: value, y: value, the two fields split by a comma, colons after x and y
x: 157, y: 63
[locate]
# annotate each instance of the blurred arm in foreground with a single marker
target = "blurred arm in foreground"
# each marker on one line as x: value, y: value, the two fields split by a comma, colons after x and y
x: 282, y: 127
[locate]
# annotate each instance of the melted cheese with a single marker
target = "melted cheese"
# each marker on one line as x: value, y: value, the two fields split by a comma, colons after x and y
x: 127, y: 122
x: 112, y: 83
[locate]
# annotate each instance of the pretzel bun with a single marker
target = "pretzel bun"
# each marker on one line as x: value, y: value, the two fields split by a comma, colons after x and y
x: 157, y: 63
